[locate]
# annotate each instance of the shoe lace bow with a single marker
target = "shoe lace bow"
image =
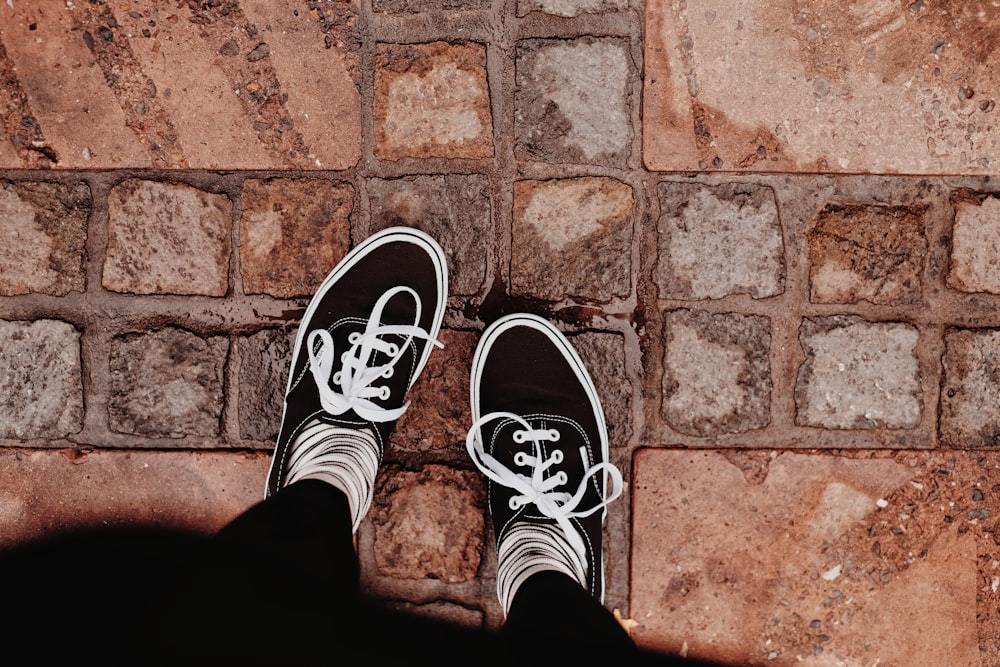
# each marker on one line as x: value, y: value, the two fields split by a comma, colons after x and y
x: 358, y: 375
x: 537, y: 488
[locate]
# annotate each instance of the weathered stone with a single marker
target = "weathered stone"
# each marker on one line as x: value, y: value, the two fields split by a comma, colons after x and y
x: 167, y: 383
x: 885, y: 88
x: 716, y: 372
x: 292, y: 233
x: 603, y: 355
x: 572, y: 101
x: 858, y: 375
x: 421, y: 6
x: 43, y: 231
x: 715, y: 241
x: 46, y: 492
x: 41, y: 378
x: 432, y: 100
x: 975, y: 250
x: 570, y: 7
x: 970, y: 393
x: 429, y: 524
x: 867, y: 253
x: 167, y: 238
x: 436, y: 420
x: 841, y: 553
x: 572, y: 238
x: 265, y: 360
x: 454, y: 209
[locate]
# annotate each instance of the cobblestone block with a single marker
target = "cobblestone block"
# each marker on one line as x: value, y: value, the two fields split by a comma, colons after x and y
x: 436, y: 420
x: 975, y: 250
x: 43, y: 231
x: 570, y: 7
x: 420, y: 6
x: 167, y: 383
x: 572, y: 237
x: 858, y: 375
x: 167, y: 238
x: 603, y: 355
x: 292, y: 233
x: 432, y: 100
x: 719, y: 240
x: 41, y: 378
x: 265, y: 359
x: 717, y: 372
x: 572, y: 101
x: 454, y: 209
x: 429, y: 524
x: 970, y: 393
x: 867, y: 253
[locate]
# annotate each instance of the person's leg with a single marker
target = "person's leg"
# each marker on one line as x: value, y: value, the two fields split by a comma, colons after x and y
x: 287, y: 566
x: 539, y: 436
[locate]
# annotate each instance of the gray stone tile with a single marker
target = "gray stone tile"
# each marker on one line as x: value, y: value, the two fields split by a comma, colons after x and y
x: 167, y: 238
x: 572, y: 238
x: 42, y: 380
x: 858, y: 375
x: 975, y: 250
x: 717, y: 372
x: 572, y: 102
x: 970, y: 393
x: 43, y: 233
x: 167, y: 383
x: 867, y: 253
x: 715, y: 241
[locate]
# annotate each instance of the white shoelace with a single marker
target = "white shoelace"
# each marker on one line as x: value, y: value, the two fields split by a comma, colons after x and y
x: 536, y: 488
x: 357, y: 376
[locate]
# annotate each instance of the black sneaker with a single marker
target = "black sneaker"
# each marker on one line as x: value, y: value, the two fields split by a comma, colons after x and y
x: 364, y: 338
x: 540, y: 437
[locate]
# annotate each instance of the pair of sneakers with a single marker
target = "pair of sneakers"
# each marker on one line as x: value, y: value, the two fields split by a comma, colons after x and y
x: 538, y: 431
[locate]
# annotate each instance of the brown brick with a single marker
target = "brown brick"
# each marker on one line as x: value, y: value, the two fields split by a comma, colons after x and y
x: 265, y: 360
x: 292, y: 234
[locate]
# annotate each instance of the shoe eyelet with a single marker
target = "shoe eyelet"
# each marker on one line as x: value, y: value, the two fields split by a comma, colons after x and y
x: 387, y: 373
x: 353, y: 338
x: 562, y: 477
x: 521, y: 459
x: 557, y: 456
x: 514, y: 504
x: 553, y: 435
x: 384, y: 393
x: 518, y: 437
x: 392, y: 350
x: 337, y: 377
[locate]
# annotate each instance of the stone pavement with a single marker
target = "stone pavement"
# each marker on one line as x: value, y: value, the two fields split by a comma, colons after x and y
x: 772, y: 229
